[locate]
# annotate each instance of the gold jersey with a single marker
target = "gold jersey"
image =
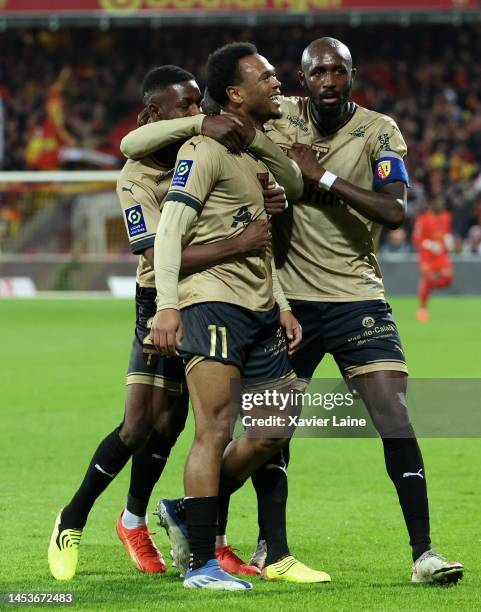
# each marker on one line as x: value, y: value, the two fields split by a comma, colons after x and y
x: 226, y: 191
x: 141, y: 188
x: 325, y: 250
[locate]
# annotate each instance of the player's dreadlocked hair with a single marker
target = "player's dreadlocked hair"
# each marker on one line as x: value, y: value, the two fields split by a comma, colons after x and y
x: 223, y: 69
x: 158, y: 78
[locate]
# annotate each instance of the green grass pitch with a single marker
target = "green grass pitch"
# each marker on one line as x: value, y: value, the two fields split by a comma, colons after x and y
x: 62, y: 365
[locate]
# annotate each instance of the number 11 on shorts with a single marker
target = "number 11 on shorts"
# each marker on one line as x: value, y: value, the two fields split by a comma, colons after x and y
x: 213, y: 340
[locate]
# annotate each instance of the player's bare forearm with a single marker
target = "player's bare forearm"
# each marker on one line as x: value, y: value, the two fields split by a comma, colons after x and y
x: 255, y: 237
x: 197, y: 257
x: 386, y: 205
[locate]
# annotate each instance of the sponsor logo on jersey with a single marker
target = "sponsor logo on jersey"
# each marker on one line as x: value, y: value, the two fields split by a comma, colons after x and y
x: 368, y: 322
x: 297, y: 121
x: 135, y: 220
x: 383, y: 169
x: 385, y: 142
x: 359, y: 132
x: 182, y: 171
x: 242, y: 216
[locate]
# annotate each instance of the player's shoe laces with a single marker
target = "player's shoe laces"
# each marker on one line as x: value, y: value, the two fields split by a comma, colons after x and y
x: 292, y: 570
x: 63, y: 551
x: 177, y: 532
x: 141, y: 548
x: 211, y: 576
x: 433, y: 568
x: 233, y: 564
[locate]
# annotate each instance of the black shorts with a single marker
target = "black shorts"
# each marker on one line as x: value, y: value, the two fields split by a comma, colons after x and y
x: 253, y: 341
x: 361, y: 336
x: 155, y: 370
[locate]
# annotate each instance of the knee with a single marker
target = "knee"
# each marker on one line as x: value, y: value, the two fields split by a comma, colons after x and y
x: 135, y: 430
x: 215, y: 438
x: 270, y: 446
x: 172, y: 416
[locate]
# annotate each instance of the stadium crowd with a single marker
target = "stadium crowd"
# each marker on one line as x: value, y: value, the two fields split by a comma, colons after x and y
x: 70, y: 96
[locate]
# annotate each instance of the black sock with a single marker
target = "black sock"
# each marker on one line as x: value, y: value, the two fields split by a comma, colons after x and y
x: 227, y: 486
x: 148, y: 463
x: 270, y: 483
x: 405, y: 467
x: 201, y: 519
x: 282, y: 459
x: 109, y: 458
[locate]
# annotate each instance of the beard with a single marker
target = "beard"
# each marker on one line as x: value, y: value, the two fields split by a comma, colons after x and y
x: 332, y: 110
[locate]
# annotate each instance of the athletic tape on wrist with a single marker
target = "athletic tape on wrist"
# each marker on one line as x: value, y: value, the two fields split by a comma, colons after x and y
x: 326, y: 180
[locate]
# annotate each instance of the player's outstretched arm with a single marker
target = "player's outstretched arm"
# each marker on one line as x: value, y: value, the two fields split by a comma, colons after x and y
x: 151, y: 137
x: 285, y: 170
x: 228, y: 129
x: 385, y: 205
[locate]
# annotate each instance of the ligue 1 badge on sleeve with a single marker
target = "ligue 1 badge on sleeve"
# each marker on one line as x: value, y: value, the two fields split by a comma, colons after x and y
x: 184, y: 166
x: 135, y: 220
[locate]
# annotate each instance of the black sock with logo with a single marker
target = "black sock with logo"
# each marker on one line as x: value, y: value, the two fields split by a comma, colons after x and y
x: 404, y: 464
x: 109, y: 458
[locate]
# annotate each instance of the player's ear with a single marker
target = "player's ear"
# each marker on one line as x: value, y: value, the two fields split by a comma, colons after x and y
x: 353, y: 73
x: 154, y: 112
x: 234, y: 94
x: 302, y: 78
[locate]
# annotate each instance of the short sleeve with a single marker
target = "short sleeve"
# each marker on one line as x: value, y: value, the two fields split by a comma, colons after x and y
x: 141, y: 214
x: 388, y: 150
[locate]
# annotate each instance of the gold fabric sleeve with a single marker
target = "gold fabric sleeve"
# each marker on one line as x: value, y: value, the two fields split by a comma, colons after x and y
x: 175, y: 221
x: 285, y: 171
x: 149, y: 138
x: 277, y: 290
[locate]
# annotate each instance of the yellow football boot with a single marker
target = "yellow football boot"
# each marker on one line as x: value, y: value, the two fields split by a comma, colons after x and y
x: 63, y: 551
x: 292, y: 570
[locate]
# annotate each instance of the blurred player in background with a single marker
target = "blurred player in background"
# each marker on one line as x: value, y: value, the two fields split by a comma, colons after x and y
x: 433, y: 240
x: 156, y: 401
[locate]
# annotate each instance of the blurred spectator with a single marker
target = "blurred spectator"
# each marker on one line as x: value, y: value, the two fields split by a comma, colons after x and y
x: 70, y: 95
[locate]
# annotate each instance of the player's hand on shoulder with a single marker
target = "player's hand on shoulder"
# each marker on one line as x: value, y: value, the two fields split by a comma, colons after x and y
x: 143, y: 117
x: 233, y: 132
x: 292, y: 329
x: 275, y: 201
x: 167, y: 331
x: 306, y: 159
x: 256, y: 236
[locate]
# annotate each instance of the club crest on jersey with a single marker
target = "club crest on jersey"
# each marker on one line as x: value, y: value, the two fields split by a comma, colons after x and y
x: 383, y: 169
x: 319, y: 150
x: 182, y: 171
x: 135, y: 220
x: 368, y: 322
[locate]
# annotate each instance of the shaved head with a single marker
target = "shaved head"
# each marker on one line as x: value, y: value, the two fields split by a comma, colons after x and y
x: 319, y: 46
